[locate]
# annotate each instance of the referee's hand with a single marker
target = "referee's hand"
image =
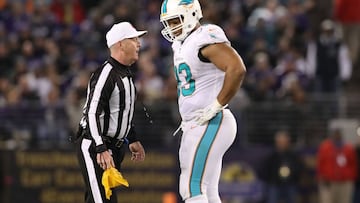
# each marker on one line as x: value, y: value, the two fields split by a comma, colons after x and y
x: 105, y: 160
x: 137, y: 151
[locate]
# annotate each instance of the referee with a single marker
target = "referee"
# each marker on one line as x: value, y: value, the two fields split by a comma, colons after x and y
x: 106, y: 126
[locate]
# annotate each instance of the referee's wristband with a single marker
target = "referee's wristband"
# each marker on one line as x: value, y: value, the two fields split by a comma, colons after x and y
x: 100, y: 148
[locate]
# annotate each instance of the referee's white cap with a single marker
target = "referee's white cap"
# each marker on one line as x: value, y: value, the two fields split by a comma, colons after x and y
x: 120, y: 31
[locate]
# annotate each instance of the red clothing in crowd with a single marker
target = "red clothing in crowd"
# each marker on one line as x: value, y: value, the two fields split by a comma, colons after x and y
x: 347, y: 11
x: 336, y: 163
x: 68, y: 12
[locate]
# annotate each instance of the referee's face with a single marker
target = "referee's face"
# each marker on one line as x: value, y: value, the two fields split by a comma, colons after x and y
x: 131, y: 48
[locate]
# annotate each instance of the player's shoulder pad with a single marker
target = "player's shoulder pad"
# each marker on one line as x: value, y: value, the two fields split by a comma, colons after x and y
x: 211, y: 34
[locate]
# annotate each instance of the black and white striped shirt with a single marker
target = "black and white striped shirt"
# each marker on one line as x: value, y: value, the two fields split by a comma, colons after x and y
x: 110, y: 102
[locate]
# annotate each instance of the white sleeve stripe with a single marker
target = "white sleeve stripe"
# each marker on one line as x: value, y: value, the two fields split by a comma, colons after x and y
x: 94, y: 131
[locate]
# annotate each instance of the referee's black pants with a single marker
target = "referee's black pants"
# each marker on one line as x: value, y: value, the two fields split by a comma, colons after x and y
x: 92, y: 172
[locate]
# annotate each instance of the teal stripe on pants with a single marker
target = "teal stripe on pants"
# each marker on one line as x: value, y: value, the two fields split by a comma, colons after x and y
x: 202, y: 153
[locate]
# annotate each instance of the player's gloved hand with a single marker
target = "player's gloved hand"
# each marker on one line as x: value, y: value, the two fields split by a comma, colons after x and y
x: 207, y: 113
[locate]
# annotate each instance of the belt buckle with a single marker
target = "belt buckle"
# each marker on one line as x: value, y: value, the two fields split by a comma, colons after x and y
x: 119, y: 143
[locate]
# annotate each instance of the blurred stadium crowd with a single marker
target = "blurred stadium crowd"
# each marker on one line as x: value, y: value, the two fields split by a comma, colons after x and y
x: 48, y: 49
x: 295, y: 51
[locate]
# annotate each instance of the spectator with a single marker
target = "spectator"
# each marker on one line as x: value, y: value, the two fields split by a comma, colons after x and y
x: 4, y: 89
x: 149, y: 83
x: 283, y: 169
x: 68, y: 12
x: 6, y: 60
x: 336, y: 169
x: 317, y: 11
x: 75, y: 99
x: 347, y: 14
x: 259, y: 45
x: 261, y: 79
x: 262, y: 21
x: 238, y: 34
x: 328, y: 60
x: 292, y: 82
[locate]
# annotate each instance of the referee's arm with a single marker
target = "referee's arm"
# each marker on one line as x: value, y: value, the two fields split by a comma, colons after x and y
x: 132, y: 135
x: 100, y: 92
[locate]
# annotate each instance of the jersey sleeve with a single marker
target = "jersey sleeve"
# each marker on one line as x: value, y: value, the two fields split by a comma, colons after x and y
x: 212, y: 34
x: 101, y: 87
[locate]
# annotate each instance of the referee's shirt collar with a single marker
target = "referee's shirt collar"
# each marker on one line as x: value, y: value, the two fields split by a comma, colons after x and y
x: 119, y: 66
x: 116, y: 63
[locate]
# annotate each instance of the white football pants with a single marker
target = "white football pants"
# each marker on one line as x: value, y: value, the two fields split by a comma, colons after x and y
x: 201, y: 153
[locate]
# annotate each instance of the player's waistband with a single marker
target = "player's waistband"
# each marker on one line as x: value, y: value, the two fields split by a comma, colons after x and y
x: 192, y: 116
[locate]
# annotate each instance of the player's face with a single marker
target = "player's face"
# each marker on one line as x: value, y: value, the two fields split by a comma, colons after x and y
x: 173, y: 23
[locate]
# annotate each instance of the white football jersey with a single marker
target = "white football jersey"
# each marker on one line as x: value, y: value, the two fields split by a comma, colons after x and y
x: 199, y: 82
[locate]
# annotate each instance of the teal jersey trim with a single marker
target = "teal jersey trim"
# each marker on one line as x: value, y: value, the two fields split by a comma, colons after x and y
x: 164, y: 7
x: 202, y: 153
x: 213, y: 36
x: 186, y: 2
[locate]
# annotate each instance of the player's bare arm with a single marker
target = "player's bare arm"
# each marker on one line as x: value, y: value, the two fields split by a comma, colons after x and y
x: 228, y: 60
